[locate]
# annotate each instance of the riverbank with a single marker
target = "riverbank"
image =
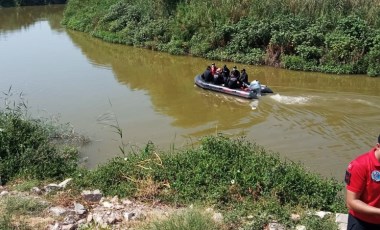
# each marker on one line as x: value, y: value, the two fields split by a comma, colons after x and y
x: 29, y: 205
x: 340, y: 37
x: 234, y: 177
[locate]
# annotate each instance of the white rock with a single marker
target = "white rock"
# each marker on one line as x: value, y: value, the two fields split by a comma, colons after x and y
x: 36, y: 190
x: 276, y: 226
x: 126, y: 202
x: 128, y: 215
x: 54, y: 227
x: 98, y: 218
x: 115, y: 199
x: 300, y: 227
x: 321, y: 214
x: 89, y: 217
x: 79, y: 208
x: 4, y: 193
x: 118, y: 207
x: 107, y: 204
x: 342, y: 226
x: 82, y: 221
x: 69, y: 227
x: 111, y: 218
x: 65, y: 182
x: 52, y: 187
x: 209, y: 210
x: 250, y: 217
x: 218, y: 217
x: 341, y: 218
x: 93, y: 196
x: 295, y: 217
x: 57, y: 211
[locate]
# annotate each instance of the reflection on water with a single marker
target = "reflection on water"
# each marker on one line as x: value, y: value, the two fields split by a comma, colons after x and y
x: 321, y: 120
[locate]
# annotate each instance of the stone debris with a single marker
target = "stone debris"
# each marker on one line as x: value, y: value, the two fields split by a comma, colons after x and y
x: 92, y: 196
x: 341, y: 219
x: 300, y: 227
x: 4, y: 193
x: 64, y: 183
x: 275, y: 226
x: 321, y: 214
x: 57, y: 211
x: 112, y: 212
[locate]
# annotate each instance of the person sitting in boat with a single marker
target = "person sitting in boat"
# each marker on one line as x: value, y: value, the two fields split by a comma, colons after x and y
x: 218, y: 77
x: 232, y: 82
x: 213, y: 69
x: 256, y: 87
x: 235, y: 72
x: 225, y: 73
x: 243, y: 80
x: 207, y: 76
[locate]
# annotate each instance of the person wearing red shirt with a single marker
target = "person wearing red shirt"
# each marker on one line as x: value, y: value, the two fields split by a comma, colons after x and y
x: 363, y: 190
x: 213, y: 69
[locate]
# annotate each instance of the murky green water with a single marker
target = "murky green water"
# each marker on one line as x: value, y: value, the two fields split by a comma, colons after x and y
x: 321, y: 120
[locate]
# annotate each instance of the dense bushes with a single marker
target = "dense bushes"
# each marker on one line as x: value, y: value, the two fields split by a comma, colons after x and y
x: 233, y: 175
x: 26, y: 149
x: 220, y: 171
x: 328, y: 36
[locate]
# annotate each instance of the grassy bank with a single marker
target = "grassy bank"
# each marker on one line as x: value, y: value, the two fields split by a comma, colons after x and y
x: 234, y: 176
x: 327, y: 36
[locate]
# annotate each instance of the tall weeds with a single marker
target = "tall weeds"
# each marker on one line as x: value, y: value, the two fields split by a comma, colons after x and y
x: 294, y: 34
x: 26, y: 147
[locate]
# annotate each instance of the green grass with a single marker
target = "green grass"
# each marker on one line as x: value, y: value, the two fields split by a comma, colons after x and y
x: 235, y: 176
x: 190, y: 219
x: 22, y: 206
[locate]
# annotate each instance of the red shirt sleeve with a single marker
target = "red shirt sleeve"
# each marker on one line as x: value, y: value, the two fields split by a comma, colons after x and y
x: 355, y: 177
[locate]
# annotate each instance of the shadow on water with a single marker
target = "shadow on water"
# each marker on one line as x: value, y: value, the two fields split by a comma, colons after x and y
x: 16, y: 18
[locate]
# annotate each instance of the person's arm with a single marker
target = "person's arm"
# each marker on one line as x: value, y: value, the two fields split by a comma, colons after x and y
x: 354, y: 203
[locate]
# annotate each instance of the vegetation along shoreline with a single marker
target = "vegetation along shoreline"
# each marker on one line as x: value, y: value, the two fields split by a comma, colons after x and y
x: 341, y: 37
x: 234, y: 177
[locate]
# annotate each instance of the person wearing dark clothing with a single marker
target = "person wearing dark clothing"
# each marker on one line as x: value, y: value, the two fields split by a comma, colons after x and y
x: 225, y: 74
x: 243, y: 77
x: 232, y: 82
x: 207, y: 76
x: 218, y: 77
x: 235, y: 72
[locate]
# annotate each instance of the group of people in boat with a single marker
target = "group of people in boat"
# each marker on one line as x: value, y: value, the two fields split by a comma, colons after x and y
x: 233, y: 79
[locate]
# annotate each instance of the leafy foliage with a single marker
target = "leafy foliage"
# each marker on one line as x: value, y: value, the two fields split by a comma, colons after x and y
x: 26, y: 148
x: 230, y: 174
x: 328, y: 36
x: 221, y: 171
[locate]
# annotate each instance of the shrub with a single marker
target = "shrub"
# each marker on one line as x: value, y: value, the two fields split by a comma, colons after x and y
x: 26, y: 148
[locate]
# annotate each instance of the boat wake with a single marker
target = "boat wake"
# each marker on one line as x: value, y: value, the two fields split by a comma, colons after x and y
x: 290, y: 100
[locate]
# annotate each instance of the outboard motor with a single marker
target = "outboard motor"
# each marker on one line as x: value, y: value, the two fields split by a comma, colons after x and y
x: 255, y: 88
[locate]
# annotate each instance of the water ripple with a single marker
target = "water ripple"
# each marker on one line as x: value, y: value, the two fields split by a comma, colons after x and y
x: 290, y: 100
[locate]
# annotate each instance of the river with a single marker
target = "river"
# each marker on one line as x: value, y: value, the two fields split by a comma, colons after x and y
x: 320, y: 120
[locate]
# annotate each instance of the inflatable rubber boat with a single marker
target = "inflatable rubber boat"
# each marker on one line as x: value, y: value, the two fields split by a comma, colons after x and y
x: 244, y: 93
